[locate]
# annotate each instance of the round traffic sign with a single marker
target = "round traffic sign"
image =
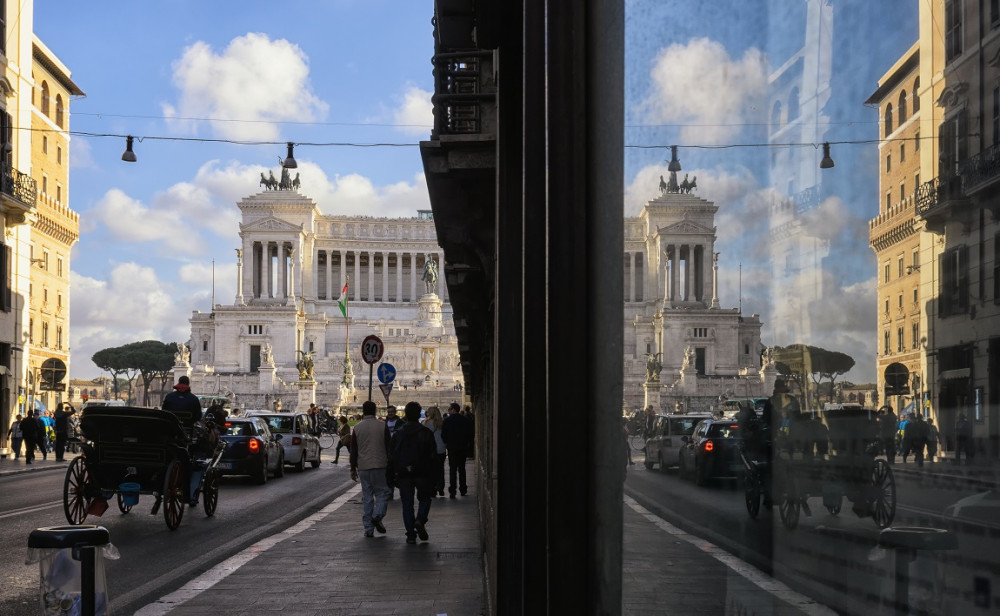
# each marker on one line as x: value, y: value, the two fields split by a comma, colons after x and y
x: 386, y: 373
x: 371, y: 349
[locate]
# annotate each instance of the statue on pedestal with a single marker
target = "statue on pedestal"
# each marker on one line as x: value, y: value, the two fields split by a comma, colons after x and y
x: 305, y: 366
x: 266, y: 355
x: 430, y: 274
x: 653, y: 367
x: 183, y: 354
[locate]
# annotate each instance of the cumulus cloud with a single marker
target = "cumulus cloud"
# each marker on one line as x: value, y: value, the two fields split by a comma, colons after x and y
x: 699, y: 86
x: 357, y: 194
x: 414, y: 115
x: 255, y: 80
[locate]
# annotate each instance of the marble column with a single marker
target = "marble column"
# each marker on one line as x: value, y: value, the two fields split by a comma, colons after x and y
x: 356, y: 295
x: 371, y: 276
x: 675, y: 266
x: 399, y: 277
x: 631, y: 276
x: 385, y: 276
x: 688, y: 270
x: 413, y: 277
x: 239, y: 277
x: 270, y: 270
x: 343, y: 272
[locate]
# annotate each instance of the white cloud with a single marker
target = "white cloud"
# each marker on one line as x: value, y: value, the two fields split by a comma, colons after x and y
x: 255, y: 80
x: 355, y: 194
x: 415, y: 114
x: 700, y: 87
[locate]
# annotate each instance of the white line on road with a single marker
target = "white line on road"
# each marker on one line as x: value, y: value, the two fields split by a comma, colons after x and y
x: 32, y: 509
x: 213, y: 576
x: 751, y: 573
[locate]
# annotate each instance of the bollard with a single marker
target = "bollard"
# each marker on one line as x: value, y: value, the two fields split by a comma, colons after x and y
x: 906, y: 540
x: 83, y: 541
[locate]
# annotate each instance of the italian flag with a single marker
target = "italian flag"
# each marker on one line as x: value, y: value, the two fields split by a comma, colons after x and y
x: 342, y: 300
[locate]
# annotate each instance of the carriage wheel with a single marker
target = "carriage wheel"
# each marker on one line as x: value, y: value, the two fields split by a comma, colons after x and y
x: 325, y: 440
x: 637, y: 441
x: 883, y: 502
x: 210, y: 492
x: 753, y: 493
x: 174, y: 495
x: 789, y: 504
x: 121, y: 504
x: 75, y: 501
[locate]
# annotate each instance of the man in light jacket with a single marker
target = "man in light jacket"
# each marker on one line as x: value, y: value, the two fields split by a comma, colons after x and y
x: 369, y: 459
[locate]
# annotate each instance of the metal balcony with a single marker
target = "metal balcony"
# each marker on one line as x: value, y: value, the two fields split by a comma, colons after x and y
x: 18, y: 192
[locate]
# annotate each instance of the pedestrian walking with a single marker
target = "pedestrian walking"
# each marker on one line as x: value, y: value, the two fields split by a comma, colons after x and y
x: 933, y: 439
x: 904, y: 436
x: 16, y: 436
x: 31, y: 430
x: 625, y: 433
x: 412, y: 458
x: 343, y: 438
x: 887, y: 432
x: 63, y: 412
x: 455, y: 433
x: 369, y: 459
x: 434, y: 421
x: 917, y: 431
x: 963, y: 436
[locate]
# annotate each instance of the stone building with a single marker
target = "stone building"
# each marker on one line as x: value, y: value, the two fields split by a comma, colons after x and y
x: 683, y: 350
x: 292, y: 265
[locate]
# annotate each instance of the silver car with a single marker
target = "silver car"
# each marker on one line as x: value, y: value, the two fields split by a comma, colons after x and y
x: 664, y: 444
x: 292, y: 431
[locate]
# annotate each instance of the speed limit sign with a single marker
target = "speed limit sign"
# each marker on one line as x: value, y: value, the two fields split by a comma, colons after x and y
x: 371, y: 349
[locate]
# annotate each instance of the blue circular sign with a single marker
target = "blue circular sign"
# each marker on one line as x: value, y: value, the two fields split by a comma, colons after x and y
x: 386, y: 373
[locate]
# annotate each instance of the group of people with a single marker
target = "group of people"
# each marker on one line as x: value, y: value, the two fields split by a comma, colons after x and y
x: 908, y: 434
x: 48, y: 431
x: 408, y: 454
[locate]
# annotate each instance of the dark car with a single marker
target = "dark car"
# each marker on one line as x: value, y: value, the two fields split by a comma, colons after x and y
x: 712, y: 451
x: 251, y: 449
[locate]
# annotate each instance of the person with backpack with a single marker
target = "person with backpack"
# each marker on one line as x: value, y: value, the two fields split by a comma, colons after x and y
x: 412, y: 458
x: 32, y: 431
x: 63, y: 412
x: 14, y: 432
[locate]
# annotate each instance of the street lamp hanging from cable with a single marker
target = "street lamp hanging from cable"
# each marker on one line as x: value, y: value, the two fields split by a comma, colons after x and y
x: 290, y: 161
x: 128, y: 155
x: 827, y: 162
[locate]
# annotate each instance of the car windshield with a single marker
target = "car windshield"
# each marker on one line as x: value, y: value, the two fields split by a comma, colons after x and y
x: 283, y: 425
x: 723, y: 430
x: 239, y: 429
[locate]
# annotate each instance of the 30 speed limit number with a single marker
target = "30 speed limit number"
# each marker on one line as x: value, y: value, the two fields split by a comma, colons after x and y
x: 371, y: 349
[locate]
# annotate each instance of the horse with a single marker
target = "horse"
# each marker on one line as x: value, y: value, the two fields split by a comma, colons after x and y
x: 295, y: 182
x: 264, y: 181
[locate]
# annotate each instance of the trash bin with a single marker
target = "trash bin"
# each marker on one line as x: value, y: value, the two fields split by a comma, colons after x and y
x: 71, y: 560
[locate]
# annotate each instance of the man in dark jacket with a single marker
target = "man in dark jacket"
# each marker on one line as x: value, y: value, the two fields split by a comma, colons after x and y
x: 62, y: 415
x: 183, y: 403
x: 456, y: 432
x: 31, y: 430
x: 412, y: 458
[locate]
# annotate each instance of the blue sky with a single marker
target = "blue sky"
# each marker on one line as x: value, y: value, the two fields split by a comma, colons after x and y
x: 359, y: 71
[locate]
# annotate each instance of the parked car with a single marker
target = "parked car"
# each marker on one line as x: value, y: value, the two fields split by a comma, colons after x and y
x: 292, y: 431
x: 711, y: 451
x: 251, y: 449
x: 664, y: 445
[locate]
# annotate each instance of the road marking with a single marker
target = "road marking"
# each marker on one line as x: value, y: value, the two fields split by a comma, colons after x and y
x: 751, y: 573
x: 213, y: 576
x: 32, y: 509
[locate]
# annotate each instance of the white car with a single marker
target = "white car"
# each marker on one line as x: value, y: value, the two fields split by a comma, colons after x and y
x: 663, y: 446
x: 292, y: 431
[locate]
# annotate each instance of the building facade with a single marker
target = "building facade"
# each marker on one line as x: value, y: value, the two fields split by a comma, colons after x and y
x: 959, y: 208
x: 683, y: 351
x: 36, y: 218
x: 894, y: 234
x: 293, y: 264
x: 54, y: 228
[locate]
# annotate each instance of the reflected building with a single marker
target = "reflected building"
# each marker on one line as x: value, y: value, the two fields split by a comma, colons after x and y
x: 683, y: 350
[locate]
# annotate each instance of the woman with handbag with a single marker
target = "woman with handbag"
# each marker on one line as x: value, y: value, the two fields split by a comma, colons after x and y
x: 344, y: 437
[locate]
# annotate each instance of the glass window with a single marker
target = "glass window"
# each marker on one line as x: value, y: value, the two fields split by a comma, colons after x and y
x: 888, y: 119
x: 902, y: 107
x: 953, y: 29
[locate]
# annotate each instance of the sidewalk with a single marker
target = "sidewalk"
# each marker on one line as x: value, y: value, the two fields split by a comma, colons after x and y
x: 325, y: 566
x: 10, y: 466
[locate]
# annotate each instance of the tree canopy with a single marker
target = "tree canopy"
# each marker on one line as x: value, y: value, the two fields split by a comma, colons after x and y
x: 148, y: 359
x: 799, y: 361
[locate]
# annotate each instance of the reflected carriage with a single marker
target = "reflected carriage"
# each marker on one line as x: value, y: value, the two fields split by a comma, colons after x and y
x: 851, y: 470
x: 128, y: 451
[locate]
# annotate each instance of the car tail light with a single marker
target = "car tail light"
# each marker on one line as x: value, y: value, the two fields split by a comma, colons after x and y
x: 709, y: 446
x: 296, y: 440
x: 254, y: 445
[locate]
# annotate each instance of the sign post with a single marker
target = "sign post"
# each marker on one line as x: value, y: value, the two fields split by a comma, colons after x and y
x: 371, y: 351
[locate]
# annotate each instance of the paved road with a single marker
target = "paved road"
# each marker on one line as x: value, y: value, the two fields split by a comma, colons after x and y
x: 154, y: 559
x: 836, y: 559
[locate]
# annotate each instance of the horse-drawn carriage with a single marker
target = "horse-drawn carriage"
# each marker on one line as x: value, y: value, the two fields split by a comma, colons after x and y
x: 128, y: 451
x: 850, y: 470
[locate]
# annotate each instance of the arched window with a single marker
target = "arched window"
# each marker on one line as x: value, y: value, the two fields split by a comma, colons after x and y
x: 793, y: 104
x: 776, y: 116
x: 45, y: 98
x: 902, y: 107
x: 888, y: 119
x: 916, y: 95
x: 59, y: 111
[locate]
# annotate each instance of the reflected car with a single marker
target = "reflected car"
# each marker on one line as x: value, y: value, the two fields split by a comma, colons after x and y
x: 664, y: 446
x: 712, y: 451
x: 292, y: 431
x: 251, y: 449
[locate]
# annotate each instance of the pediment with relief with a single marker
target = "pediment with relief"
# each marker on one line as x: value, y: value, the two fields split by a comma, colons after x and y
x: 953, y: 95
x: 270, y: 224
x: 685, y: 227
